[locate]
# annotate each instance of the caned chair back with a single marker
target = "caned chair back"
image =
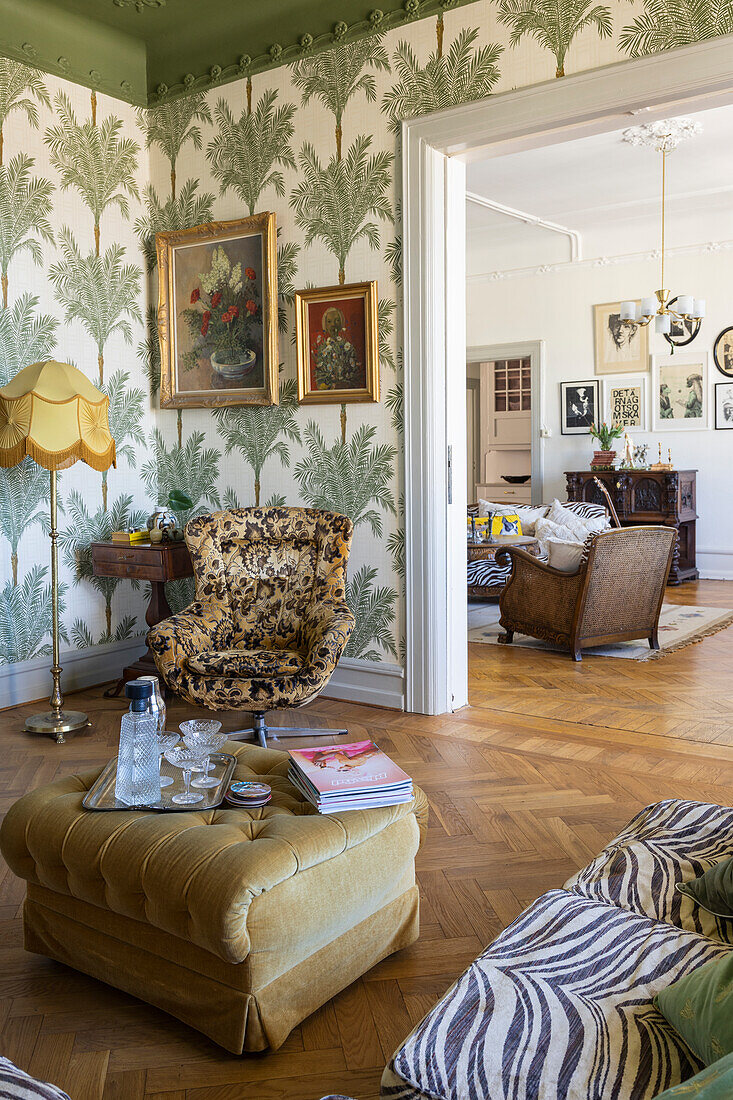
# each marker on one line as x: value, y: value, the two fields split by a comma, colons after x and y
x: 626, y: 577
x: 270, y: 567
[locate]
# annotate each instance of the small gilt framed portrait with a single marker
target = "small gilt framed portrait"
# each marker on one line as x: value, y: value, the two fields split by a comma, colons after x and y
x: 338, y: 344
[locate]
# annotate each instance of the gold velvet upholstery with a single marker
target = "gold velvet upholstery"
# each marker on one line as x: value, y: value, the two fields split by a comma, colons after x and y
x: 239, y: 922
x: 270, y: 619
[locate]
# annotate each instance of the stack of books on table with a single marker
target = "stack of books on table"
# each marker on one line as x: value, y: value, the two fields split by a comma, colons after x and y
x: 348, y: 777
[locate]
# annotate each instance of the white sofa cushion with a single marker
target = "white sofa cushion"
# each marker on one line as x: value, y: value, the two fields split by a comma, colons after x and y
x: 563, y: 555
x: 582, y: 525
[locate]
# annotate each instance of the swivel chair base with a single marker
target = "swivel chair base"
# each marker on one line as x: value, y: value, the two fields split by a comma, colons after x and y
x: 260, y: 731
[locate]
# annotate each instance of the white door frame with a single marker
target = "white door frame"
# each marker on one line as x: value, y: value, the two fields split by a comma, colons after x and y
x: 434, y: 152
x: 534, y: 350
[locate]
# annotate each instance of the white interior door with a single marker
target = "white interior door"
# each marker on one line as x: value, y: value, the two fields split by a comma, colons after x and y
x: 472, y: 438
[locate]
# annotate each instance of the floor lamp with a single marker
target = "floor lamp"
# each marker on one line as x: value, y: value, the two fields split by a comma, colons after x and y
x: 51, y: 412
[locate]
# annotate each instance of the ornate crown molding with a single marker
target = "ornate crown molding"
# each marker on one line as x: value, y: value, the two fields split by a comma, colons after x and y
x: 139, y: 5
x: 707, y: 248
x: 54, y: 57
x: 375, y: 21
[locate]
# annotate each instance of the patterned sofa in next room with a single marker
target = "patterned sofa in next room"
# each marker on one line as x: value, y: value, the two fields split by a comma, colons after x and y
x: 560, y: 1005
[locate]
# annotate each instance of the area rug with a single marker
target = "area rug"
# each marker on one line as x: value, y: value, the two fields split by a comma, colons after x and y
x: 679, y: 626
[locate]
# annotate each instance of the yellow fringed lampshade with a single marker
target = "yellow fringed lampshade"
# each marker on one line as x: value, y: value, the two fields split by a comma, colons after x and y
x: 52, y: 412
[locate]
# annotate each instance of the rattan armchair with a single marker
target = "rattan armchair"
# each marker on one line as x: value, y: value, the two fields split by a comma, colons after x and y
x: 270, y: 619
x: 615, y: 595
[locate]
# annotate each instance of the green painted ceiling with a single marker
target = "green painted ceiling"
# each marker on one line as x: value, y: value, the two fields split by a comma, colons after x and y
x: 147, y: 50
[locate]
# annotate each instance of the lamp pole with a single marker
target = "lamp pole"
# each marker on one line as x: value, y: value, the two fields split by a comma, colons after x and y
x: 56, y: 721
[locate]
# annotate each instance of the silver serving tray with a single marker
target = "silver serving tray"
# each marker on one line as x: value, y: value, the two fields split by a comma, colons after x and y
x: 102, y: 795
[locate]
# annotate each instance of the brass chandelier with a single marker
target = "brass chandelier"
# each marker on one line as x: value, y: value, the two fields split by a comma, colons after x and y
x: 664, y: 137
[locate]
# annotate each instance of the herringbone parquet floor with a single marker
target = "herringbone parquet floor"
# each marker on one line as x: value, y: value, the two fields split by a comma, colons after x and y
x: 525, y: 785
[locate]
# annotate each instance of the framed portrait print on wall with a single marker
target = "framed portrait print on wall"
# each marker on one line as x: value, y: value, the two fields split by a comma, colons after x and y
x: 579, y: 402
x: 217, y: 314
x: 723, y: 351
x: 680, y: 392
x: 625, y: 401
x: 338, y: 344
x: 723, y: 405
x: 621, y: 347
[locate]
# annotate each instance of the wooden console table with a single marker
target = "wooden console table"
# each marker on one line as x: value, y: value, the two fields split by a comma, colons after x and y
x: 143, y: 561
x: 648, y: 496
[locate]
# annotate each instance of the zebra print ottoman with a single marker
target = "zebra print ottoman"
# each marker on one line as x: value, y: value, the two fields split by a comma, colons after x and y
x: 559, y: 1006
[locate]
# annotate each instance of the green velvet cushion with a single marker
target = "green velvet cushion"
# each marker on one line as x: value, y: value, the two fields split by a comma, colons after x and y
x: 700, y: 1007
x: 713, y: 1083
x: 713, y: 890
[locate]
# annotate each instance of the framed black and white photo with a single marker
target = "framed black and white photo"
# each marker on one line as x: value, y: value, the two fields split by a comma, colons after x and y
x: 621, y: 347
x: 723, y: 351
x: 680, y: 394
x: 578, y: 406
x: 723, y: 405
x: 625, y: 402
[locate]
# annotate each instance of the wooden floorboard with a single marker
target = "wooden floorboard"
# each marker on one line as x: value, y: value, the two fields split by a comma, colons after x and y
x: 525, y: 785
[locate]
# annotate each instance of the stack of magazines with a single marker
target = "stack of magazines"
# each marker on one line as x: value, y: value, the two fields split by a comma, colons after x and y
x: 348, y: 777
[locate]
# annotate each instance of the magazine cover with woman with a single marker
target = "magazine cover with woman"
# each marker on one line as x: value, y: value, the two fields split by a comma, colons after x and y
x: 338, y: 769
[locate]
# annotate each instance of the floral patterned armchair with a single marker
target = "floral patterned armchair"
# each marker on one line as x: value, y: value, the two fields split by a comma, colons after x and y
x: 270, y: 620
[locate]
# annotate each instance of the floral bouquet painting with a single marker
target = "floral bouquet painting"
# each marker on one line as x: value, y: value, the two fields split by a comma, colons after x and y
x: 217, y: 314
x: 224, y: 317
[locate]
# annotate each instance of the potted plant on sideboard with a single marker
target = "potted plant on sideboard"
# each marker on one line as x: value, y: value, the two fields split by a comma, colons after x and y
x: 605, y: 457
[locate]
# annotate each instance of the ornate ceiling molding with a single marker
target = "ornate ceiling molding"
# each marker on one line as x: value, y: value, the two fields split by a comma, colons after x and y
x: 375, y: 22
x: 706, y: 249
x: 139, y: 5
x: 65, y: 58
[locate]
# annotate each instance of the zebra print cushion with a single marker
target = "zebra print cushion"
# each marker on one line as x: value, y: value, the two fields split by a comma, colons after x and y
x: 486, y: 573
x: 667, y: 843
x: 559, y: 1007
x: 587, y: 511
x: 17, y: 1085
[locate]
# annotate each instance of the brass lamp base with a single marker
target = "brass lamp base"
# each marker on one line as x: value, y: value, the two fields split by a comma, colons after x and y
x: 57, y: 724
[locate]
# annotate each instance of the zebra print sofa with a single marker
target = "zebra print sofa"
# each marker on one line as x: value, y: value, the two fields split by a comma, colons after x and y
x: 487, y: 578
x: 559, y: 1006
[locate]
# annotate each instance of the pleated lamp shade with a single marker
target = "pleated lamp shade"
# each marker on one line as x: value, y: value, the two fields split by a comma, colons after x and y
x: 52, y: 412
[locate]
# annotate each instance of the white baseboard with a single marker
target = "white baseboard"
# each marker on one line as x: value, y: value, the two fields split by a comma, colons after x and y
x: 715, y: 565
x: 375, y: 682
x: 356, y: 681
x: 27, y: 680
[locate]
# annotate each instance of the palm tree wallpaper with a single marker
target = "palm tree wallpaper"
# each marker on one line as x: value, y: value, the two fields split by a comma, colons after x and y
x: 86, y: 181
x: 554, y: 23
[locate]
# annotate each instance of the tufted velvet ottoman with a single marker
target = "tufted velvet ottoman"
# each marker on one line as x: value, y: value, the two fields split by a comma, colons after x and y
x: 240, y: 923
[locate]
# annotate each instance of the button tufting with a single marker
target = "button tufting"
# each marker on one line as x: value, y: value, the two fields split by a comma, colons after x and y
x: 172, y: 870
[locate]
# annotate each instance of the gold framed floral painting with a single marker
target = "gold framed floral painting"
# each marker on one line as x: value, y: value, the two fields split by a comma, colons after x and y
x: 217, y: 314
x: 338, y: 344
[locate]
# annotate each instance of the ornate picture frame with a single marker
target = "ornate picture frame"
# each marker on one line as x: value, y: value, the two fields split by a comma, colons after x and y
x: 217, y: 314
x: 337, y: 340
x: 621, y: 347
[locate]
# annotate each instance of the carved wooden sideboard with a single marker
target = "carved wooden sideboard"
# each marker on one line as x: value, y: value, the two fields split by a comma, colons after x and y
x: 648, y: 496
